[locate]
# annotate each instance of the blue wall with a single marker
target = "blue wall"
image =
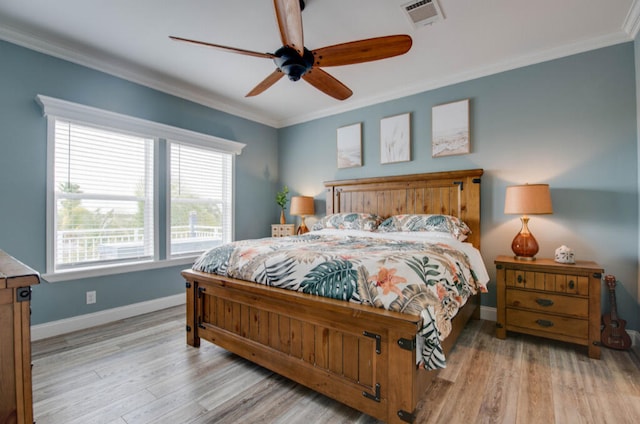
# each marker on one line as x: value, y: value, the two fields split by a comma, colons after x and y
x: 637, y: 57
x: 23, y: 75
x: 570, y: 123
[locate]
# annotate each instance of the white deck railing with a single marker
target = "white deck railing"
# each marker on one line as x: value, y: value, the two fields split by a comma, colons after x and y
x: 76, y: 246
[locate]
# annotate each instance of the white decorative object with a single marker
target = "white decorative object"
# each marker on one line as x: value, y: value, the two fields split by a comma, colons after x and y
x: 565, y: 255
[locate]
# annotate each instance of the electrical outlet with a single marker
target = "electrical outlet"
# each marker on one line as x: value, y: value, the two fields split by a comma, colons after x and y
x: 91, y: 297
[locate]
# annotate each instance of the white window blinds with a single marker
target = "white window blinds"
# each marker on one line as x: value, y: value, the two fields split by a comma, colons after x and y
x: 201, y: 198
x: 103, y: 196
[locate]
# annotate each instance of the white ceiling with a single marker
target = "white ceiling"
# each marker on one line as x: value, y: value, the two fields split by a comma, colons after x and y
x: 478, y: 37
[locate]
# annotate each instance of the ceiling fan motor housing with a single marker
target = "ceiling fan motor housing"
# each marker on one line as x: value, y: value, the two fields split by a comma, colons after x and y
x: 289, y: 61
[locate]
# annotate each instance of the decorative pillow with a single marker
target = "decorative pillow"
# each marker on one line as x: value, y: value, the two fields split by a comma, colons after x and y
x: 349, y: 221
x: 426, y: 222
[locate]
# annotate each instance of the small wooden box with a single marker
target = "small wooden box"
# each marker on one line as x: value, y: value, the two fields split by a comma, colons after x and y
x: 283, y: 230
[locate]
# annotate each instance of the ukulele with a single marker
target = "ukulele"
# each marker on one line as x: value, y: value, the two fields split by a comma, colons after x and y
x: 613, y: 333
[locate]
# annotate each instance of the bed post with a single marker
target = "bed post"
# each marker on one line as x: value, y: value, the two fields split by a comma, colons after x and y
x: 402, y: 390
x: 330, y: 198
x: 192, y: 338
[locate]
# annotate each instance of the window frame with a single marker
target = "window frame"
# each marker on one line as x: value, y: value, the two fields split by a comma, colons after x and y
x: 177, y: 256
x: 150, y: 177
x: 61, y: 109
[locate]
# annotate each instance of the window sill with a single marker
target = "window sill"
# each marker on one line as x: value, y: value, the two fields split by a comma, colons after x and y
x: 54, y: 277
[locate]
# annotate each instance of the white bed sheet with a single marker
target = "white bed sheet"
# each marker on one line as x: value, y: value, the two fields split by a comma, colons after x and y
x: 427, y: 237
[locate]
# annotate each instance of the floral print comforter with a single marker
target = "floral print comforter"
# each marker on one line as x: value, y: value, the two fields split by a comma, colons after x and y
x: 431, y: 279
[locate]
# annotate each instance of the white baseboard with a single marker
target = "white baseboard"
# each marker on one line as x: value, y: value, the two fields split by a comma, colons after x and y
x: 635, y: 338
x: 488, y: 313
x: 81, y: 322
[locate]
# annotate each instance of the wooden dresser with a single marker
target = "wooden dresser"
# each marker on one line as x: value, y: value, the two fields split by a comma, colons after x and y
x: 16, y: 400
x: 548, y: 299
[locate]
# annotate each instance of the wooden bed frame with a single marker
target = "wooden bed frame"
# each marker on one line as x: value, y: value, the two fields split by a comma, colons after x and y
x: 362, y: 356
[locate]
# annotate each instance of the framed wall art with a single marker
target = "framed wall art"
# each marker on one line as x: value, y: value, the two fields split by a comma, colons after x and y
x: 395, y: 139
x: 450, y: 129
x: 349, y: 146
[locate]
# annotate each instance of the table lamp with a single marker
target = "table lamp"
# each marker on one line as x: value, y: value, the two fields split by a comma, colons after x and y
x: 528, y: 199
x: 302, y: 206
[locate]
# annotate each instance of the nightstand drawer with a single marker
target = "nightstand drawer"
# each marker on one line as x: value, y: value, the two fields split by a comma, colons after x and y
x: 546, y: 302
x: 561, y: 283
x: 571, y: 327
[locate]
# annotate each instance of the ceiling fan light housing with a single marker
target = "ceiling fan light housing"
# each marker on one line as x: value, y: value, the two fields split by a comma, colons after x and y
x: 289, y: 61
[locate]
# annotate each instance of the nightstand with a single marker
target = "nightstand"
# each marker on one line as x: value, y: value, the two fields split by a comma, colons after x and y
x: 548, y: 299
x: 283, y: 230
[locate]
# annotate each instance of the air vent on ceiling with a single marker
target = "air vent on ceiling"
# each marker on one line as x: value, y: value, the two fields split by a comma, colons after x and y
x: 423, y: 12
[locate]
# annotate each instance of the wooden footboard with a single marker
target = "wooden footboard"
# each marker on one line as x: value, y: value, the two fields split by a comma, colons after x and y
x: 359, y: 355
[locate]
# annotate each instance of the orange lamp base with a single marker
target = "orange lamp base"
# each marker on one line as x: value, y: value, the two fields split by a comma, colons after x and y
x: 302, y: 229
x: 524, y: 245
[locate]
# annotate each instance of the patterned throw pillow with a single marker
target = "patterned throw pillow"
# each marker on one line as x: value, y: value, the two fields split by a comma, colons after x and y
x: 426, y: 222
x: 349, y: 221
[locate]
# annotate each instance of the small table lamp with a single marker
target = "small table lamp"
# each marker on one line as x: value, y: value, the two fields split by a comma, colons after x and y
x: 528, y: 199
x: 302, y: 206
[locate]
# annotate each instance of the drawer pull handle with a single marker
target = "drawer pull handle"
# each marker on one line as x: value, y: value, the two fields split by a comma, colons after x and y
x: 520, y: 279
x: 572, y: 284
x: 544, y: 302
x: 544, y: 323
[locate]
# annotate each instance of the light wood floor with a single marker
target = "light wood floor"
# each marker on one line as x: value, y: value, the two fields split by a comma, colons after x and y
x: 141, y: 371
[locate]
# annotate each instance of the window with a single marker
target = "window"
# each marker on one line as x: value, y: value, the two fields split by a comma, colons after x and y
x: 103, y: 180
x: 103, y: 196
x: 200, y: 196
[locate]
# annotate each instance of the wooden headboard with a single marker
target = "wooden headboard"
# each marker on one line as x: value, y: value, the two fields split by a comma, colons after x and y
x: 454, y: 193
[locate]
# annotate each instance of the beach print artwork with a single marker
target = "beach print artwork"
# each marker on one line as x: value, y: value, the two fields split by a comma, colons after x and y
x: 395, y: 139
x: 450, y: 129
x: 350, y: 146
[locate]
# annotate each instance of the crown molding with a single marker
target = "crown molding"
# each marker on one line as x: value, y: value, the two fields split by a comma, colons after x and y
x: 479, y: 72
x: 151, y: 79
x: 632, y: 21
x: 116, y: 67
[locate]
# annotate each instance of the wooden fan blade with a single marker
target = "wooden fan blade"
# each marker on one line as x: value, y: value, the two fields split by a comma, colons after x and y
x: 266, y: 83
x: 290, y: 23
x: 362, y: 50
x: 225, y: 48
x: 327, y: 84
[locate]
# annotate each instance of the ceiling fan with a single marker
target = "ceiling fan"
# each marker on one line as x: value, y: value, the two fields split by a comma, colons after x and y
x: 296, y: 61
